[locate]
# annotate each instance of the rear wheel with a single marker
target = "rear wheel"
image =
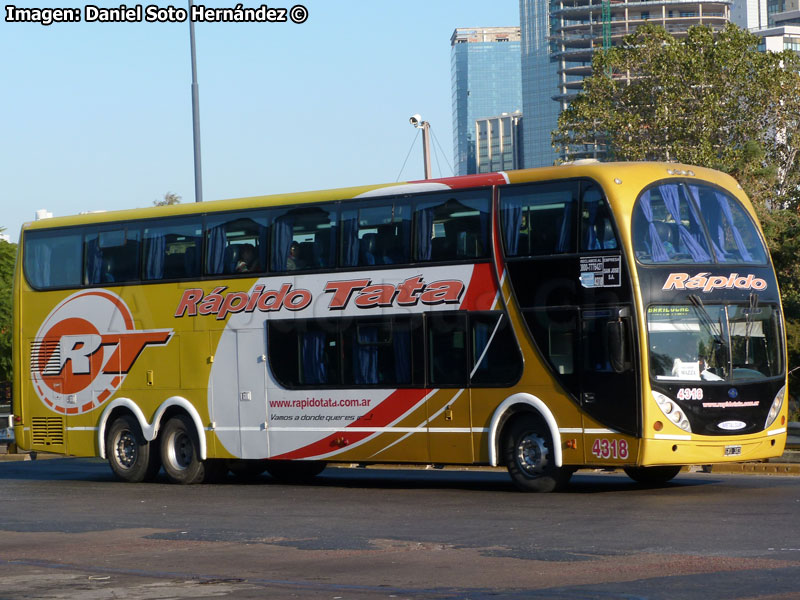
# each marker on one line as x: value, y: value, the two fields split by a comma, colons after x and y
x: 294, y: 471
x: 652, y: 475
x: 528, y: 452
x: 131, y: 457
x: 180, y: 452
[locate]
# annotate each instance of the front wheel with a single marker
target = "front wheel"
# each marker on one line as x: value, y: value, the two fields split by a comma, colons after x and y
x: 131, y: 457
x: 529, y: 456
x: 652, y: 475
x: 180, y: 452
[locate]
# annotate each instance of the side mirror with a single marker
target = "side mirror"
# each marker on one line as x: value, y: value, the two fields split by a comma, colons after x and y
x: 618, y: 354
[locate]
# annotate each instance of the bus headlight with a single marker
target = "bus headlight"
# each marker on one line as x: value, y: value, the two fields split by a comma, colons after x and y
x: 668, y: 407
x: 777, y: 404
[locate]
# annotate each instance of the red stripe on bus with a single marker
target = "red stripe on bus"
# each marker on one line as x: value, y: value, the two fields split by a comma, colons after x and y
x: 468, y: 181
x: 397, y: 404
x: 482, y: 290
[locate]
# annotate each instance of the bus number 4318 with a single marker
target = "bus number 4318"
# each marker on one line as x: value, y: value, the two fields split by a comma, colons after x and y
x: 604, y: 448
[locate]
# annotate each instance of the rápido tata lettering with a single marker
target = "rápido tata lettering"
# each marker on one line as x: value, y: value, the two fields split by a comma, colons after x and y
x: 705, y: 282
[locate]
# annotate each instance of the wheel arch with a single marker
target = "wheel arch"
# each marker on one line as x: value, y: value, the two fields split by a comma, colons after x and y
x: 521, y: 403
x: 170, y: 406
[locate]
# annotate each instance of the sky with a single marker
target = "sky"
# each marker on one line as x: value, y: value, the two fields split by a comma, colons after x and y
x: 97, y: 116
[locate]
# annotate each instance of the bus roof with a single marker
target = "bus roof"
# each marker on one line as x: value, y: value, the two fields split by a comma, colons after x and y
x: 634, y: 174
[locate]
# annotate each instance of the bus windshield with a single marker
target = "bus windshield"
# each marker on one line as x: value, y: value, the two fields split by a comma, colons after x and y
x: 676, y: 222
x: 714, y: 342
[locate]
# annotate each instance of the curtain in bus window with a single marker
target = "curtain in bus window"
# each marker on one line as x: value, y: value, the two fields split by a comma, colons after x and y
x: 94, y: 261
x: 365, y: 355
x: 658, y: 252
x: 350, y: 240
x: 598, y: 233
x: 215, y: 258
x: 737, y: 235
x: 156, y: 245
x: 670, y: 195
x: 565, y: 235
x: 39, y: 263
x: 401, y: 340
x: 424, y: 233
x: 312, y: 357
x: 281, y: 242
x: 511, y: 217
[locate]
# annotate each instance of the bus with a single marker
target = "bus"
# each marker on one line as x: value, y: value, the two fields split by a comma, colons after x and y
x: 589, y: 315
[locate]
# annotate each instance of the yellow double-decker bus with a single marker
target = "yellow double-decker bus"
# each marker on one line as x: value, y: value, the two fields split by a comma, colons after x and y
x: 588, y: 315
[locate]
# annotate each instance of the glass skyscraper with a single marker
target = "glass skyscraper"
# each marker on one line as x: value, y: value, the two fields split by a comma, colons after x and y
x: 485, y: 73
x: 539, y: 84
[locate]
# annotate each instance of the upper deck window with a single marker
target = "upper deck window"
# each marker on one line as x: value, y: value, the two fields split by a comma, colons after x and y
x: 53, y: 259
x: 678, y: 223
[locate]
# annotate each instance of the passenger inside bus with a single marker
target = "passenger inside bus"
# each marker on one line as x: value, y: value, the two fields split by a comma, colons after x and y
x: 248, y: 261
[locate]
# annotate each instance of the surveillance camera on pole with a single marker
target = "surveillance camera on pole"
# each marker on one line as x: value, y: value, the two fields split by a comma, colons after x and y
x: 416, y: 121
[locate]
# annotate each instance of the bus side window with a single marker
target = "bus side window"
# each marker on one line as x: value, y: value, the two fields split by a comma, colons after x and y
x: 236, y: 243
x: 447, y: 349
x: 375, y: 235
x: 495, y: 355
x: 53, y: 259
x: 303, y: 239
x: 303, y: 353
x: 173, y: 250
x: 597, y: 232
x: 112, y: 256
x: 539, y: 219
x: 452, y: 228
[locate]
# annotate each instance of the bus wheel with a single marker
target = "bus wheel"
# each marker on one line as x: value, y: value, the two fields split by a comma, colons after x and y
x: 294, y: 471
x: 131, y: 457
x: 652, y: 475
x: 528, y: 452
x: 180, y: 452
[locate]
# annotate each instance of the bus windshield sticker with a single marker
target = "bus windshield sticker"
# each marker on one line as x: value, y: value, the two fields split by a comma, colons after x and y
x: 600, y: 271
x: 705, y: 282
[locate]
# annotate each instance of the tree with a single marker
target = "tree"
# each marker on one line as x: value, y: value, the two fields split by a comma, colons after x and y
x: 711, y: 100
x: 8, y: 255
x: 168, y: 200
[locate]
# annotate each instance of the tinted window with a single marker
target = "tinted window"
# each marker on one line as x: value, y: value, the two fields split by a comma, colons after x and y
x: 236, y: 243
x: 495, y: 355
x: 304, y: 353
x: 173, y: 249
x: 539, y: 219
x: 733, y: 234
x: 379, y: 352
x: 597, y: 232
x: 447, y: 349
x: 53, y: 259
x: 672, y: 223
x: 375, y: 235
x: 304, y: 238
x: 112, y: 256
x: 452, y: 227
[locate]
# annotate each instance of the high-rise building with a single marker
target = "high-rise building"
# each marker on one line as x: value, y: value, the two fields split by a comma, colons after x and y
x: 485, y: 70
x: 749, y: 14
x: 498, y: 143
x: 539, y: 83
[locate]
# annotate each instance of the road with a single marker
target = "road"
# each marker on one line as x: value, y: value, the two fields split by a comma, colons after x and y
x: 68, y: 529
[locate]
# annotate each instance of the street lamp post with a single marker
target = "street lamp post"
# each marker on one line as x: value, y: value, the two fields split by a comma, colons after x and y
x: 198, y: 172
x: 416, y: 121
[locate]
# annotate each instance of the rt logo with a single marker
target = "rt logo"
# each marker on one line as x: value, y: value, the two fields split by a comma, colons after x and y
x: 85, y: 348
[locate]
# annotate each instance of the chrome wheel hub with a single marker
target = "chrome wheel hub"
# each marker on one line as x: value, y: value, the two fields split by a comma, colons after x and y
x: 532, y: 455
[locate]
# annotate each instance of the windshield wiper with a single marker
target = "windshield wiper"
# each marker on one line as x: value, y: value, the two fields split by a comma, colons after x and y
x: 706, y: 319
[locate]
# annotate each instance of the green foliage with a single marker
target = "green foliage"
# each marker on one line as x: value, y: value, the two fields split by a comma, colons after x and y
x: 709, y: 99
x: 168, y: 200
x: 8, y: 255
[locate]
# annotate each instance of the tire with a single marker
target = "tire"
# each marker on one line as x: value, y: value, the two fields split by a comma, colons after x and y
x: 294, y: 471
x: 528, y: 453
x: 180, y: 452
x: 131, y: 457
x: 652, y: 475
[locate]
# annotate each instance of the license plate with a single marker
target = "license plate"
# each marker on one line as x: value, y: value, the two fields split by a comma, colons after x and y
x: 733, y: 450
